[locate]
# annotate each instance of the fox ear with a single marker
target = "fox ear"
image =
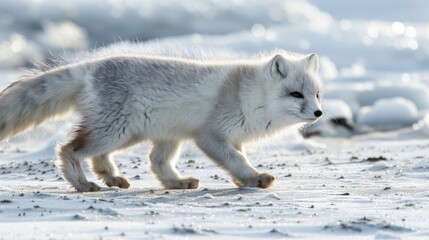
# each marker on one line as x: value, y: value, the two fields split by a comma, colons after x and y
x: 313, y: 62
x: 278, y: 66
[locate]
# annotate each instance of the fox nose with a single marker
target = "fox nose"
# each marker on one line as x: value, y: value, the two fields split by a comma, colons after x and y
x: 318, y: 113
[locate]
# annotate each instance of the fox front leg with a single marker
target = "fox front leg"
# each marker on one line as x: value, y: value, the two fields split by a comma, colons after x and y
x: 234, y: 162
x: 163, y: 163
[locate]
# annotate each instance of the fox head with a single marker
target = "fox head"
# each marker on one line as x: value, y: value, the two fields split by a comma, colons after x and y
x: 294, y: 89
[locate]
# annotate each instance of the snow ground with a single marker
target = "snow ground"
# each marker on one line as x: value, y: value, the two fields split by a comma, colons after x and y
x: 371, y: 187
x: 370, y: 182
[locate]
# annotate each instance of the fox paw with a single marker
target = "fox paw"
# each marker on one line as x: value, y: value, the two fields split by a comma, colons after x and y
x: 265, y: 180
x: 88, y: 187
x: 262, y: 180
x: 184, y: 183
x: 117, y: 181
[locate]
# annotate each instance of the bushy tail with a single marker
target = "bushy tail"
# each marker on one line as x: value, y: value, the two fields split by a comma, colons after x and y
x: 36, y: 98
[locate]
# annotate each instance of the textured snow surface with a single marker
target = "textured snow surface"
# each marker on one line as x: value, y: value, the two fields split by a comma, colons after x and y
x: 358, y: 188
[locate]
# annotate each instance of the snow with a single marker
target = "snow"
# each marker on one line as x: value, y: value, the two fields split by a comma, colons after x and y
x: 389, y: 113
x: 362, y: 173
x: 330, y: 193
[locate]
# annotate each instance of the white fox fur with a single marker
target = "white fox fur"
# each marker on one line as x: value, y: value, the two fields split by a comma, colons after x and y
x: 126, y: 99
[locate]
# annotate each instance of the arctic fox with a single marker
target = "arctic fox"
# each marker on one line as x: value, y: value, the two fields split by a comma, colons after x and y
x: 125, y: 99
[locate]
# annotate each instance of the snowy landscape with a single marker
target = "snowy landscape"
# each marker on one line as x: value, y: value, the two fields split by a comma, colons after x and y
x: 360, y: 172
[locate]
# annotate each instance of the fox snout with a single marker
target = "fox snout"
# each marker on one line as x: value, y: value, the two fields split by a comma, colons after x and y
x: 318, y: 113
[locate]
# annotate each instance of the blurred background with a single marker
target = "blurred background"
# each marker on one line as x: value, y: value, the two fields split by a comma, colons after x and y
x: 374, y: 54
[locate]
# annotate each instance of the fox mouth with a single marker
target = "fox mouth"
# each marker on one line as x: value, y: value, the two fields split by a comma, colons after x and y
x: 306, y: 119
x: 310, y: 119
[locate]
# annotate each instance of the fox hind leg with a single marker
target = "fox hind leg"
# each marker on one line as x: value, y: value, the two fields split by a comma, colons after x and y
x: 69, y: 163
x: 96, y: 142
x: 163, y: 157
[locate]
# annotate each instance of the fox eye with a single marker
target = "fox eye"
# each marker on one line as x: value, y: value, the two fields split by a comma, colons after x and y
x: 318, y: 96
x: 297, y: 95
